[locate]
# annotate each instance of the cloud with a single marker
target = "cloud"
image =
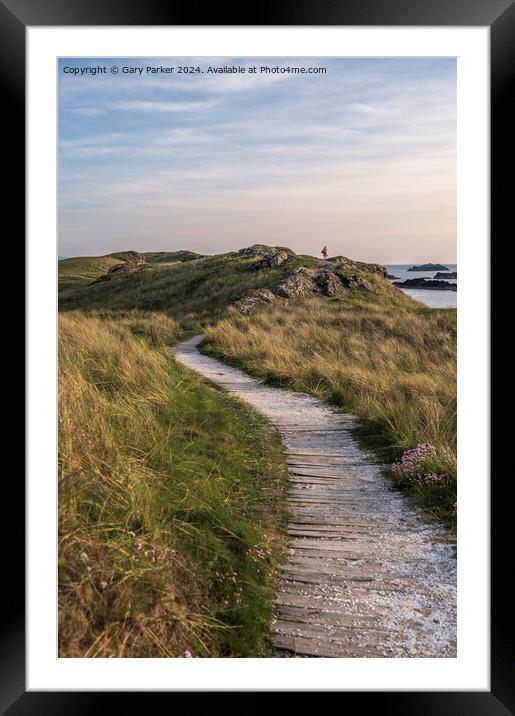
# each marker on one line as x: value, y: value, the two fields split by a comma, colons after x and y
x: 371, y: 147
x: 151, y: 106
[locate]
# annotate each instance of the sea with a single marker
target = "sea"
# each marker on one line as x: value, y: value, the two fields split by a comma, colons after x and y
x: 431, y: 297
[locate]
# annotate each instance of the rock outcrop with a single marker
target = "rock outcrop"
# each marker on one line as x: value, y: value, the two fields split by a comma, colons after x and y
x: 131, y: 261
x: 254, y: 250
x: 276, y: 257
x: 302, y: 282
x: 326, y: 278
x: 330, y: 283
x: 118, y: 267
x: 254, y: 299
x: 349, y: 265
x: 129, y: 257
x: 261, y: 250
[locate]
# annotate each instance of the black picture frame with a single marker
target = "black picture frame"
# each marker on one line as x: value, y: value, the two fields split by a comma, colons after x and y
x: 499, y: 16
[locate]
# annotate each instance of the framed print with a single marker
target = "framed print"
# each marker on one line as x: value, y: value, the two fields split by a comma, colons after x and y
x: 263, y: 461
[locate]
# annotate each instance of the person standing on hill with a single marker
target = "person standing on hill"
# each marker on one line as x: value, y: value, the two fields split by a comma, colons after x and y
x: 325, y: 252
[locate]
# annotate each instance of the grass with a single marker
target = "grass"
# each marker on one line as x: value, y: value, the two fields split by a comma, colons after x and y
x: 191, y: 292
x: 170, y: 256
x: 82, y: 270
x: 172, y: 514
x: 383, y: 357
x: 168, y: 491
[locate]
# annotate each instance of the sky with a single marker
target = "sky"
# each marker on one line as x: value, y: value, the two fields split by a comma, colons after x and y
x: 360, y: 158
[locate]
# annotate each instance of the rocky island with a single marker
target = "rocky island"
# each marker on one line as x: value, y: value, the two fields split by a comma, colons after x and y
x: 446, y: 274
x: 429, y: 267
x: 426, y: 283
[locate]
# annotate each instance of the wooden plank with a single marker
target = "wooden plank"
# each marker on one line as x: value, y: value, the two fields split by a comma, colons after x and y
x: 332, y: 616
x: 337, y: 634
x: 321, y: 647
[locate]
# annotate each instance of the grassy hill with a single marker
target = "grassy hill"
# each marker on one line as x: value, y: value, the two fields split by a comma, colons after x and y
x: 170, y: 257
x: 191, y: 291
x: 82, y: 270
x: 168, y: 486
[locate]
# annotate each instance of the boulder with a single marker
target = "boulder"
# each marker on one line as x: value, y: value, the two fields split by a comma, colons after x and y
x: 349, y: 265
x: 321, y: 281
x: 261, y: 250
x: 254, y: 250
x: 302, y: 282
x: 357, y: 280
x: 276, y: 257
x: 252, y: 300
x: 330, y: 283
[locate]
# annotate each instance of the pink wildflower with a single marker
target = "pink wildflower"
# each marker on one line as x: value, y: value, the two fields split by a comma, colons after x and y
x: 432, y: 478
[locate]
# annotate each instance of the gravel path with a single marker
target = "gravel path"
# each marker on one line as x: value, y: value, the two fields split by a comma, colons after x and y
x: 367, y: 575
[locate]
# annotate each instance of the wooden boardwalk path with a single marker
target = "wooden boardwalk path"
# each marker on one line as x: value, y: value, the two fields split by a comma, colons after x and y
x: 367, y: 575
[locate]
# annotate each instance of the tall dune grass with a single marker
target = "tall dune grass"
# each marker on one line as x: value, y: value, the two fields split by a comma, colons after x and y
x: 392, y: 365
x: 165, y: 487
